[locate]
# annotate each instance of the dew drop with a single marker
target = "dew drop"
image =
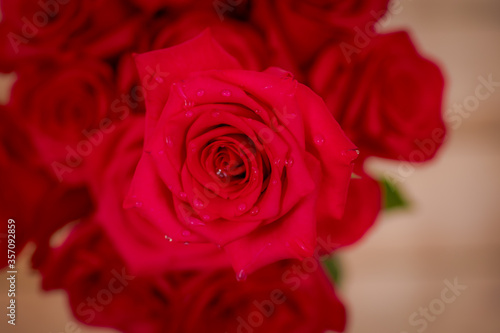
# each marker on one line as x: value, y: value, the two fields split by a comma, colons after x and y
x: 319, y: 139
x: 159, y: 79
x: 215, y: 114
x: 200, y: 92
x: 257, y: 111
x: 277, y: 161
x: 186, y: 233
x: 168, y: 141
x: 221, y: 174
x: 198, y: 203
x: 289, y: 162
x: 183, y: 195
x: 206, y: 217
x: 274, y: 182
x: 188, y: 104
x: 350, y: 155
x: 255, y: 210
x: 186, y: 243
x: 226, y: 93
x: 242, y: 207
x: 189, y: 113
x: 138, y: 204
x: 241, y: 276
x: 168, y: 238
x: 196, y: 222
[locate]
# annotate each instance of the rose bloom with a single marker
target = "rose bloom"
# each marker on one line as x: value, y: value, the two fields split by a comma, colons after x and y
x: 31, y: 195
x: 301, y: 28
x: 285, y: 296
x: 282, y: 297
x: 41, y: 30
x: 252, y: 162
x: 102, y: 291
x: 67, y: 113
x: 387, y: 97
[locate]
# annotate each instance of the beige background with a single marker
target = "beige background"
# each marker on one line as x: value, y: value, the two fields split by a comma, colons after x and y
x: 452, y: 229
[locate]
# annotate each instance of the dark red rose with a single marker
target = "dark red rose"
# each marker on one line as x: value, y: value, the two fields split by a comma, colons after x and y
x: 33, y: 29
x: 240, y: 39
x: 250, y: 161
x: 31, y: 195
x: 387, y: 99
x: 67, y: 112
x: 101, y: 289
x: 274, y: 299
x: 299, y: 29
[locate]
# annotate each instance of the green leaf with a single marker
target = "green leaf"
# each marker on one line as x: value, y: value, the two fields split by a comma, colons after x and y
x: 392, y: 196
x: 332, y: 267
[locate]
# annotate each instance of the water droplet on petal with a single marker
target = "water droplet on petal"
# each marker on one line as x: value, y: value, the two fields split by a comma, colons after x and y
x: 350, y: 155
x: 319, y: 139
x: 138, y: 204
x: 168, y: 238
x: 186, y: 243
x: 183, y: 195
x: 289, y: 162
x: 200, y: 92
x: 186, y: 233
x: 274, y: 182
x: 159, y: 79
x: 168, y: 141
x: 241, y: 276
x: 225, y: 93
x: 188, y: 104
x: 257, y: 111
x: 242, y: 207
x: 255, y: 210
x: 215, y: 114
x: 198, y: 203
x: 221, y: 174
x: 189, y: 113
x: 277, y: 161
x: 206, y: 217
x: 195, y: 222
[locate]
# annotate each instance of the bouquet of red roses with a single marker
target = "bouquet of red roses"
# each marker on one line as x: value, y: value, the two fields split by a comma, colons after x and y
x: 207, y: 157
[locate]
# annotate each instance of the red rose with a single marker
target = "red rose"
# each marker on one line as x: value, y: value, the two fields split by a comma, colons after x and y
x: 31, y: 196
x: 67, y: 112
x: 301, y: 28
x: 33, y: 29
x: 387, y: 99
x: 274, y: 299
x: 102, y: 291
x: 143, y: 244
x: 240, y: 39
x: 251, y: 161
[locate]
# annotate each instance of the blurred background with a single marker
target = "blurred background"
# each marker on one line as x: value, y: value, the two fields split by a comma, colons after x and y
x: 449, y: 232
